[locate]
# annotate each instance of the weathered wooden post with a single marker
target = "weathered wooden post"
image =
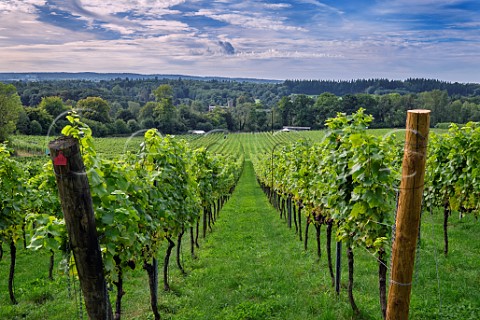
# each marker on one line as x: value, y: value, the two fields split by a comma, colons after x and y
x: 77, y: 207
x: 408, y: 213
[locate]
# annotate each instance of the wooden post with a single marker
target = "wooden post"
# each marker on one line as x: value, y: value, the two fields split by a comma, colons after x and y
x: 77, y: 207
x: 408, y: 213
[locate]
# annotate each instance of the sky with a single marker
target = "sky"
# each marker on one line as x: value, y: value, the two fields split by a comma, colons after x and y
x: 275, y: 39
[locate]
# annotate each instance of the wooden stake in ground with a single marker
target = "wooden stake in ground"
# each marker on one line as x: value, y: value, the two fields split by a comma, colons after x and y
x: 77, y: 207
x: 408, y: 213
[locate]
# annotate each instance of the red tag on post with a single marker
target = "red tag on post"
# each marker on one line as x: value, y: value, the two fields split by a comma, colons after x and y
x: 60, y: 160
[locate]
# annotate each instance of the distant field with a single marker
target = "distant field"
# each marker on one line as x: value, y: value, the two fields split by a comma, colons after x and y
x: 216, y: 142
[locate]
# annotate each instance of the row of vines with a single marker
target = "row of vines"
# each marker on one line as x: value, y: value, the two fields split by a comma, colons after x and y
x: 141, y: 199
x: 349, y: 181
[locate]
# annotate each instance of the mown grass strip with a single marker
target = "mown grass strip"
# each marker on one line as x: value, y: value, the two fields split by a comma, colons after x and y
x: 251, y: 267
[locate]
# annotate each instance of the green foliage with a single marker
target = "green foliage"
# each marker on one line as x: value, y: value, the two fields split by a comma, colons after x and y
x: 176, y: 106
x: 121, y: 127
x: 168, y: 161
x: 348, y: 177
x: 43, y: 120
x: 36, y: 128
x: 452, y: 173
x: 164, y: 112
x: 45, y: 218
x: 139, y: 200
x: 164, y: 92
x: 10, y: 109
x: 53, y: 105
x: 94, y: 108
x: 13, y: 201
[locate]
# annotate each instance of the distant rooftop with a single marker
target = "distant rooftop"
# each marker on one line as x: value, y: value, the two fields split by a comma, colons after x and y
x: 290, y: 128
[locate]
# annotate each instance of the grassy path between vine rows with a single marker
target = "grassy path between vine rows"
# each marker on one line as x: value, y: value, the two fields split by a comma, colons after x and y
x: 251, y: 267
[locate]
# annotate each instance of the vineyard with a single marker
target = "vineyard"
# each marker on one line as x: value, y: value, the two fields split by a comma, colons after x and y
x: 192, y: 208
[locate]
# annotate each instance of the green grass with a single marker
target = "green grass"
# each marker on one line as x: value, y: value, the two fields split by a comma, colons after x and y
x: 38, y: 297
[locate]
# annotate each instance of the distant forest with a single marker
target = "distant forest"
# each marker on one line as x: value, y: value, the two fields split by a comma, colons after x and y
x: 176, y: 104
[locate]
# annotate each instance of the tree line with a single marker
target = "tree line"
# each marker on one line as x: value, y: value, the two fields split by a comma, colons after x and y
x: 380, y: 86
x: 123, y: 106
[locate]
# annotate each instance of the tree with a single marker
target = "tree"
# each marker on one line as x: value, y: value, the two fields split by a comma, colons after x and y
x: 349, y: 103
x: 437, y: 101
x: 95, y: 108
x: 164, y: 91
x: 302, y: 109
x: 147, y: 123
x: 99, y: 129
x: 470, y: 112
x: 218, y: 118
x: 121, y: 127
x: 117, y: 90
x: 241, y: 114
x: 35, y: 128
x: 23, y: 122
x: 42, y: 117
x: 456, y: 111
x: 285, y: 106
x: 10, y: 108
x: 133, y: 125
x: 189, y: 117
x: 125, y: 115
x: 115, y: 108
x: 263, y: 118
x: 53, y: 105
x: 146, y: 112
x: 134, y: 108
x: 326, y: 106
x: 369, y: 102
x: 229, y: 120
x: 165, y: 112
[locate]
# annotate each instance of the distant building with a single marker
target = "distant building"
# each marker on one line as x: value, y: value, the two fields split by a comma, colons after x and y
x: 289, y: 128
x: 196, y: 131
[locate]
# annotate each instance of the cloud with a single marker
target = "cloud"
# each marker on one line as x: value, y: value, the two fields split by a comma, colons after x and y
x: 227, y: 47
x: 435, y: 13
x: 276, y: 5
x: 272, y: 39
x: 419, y: 4
x: 322, y: 5
x: 25, y: 6
x: 24, y: 29
x: 188, y: 54
x: 248, y: 20
x: 95, y: 8
x: 139, y: 8
x: 112, y: 19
